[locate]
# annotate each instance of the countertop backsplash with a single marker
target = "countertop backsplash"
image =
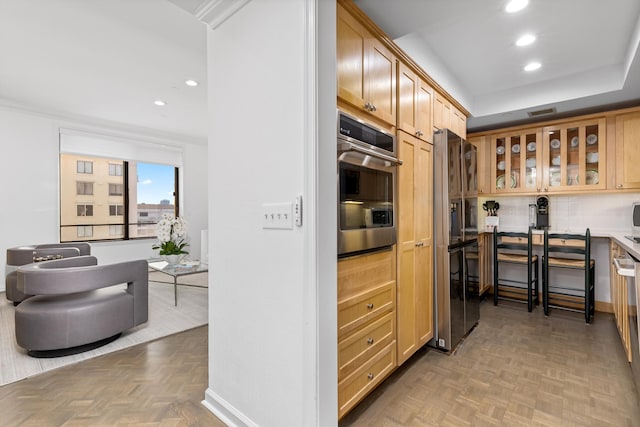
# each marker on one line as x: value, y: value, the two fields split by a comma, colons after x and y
x: 600, y: 212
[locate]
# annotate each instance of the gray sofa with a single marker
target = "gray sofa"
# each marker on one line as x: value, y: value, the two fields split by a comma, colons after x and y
x: 78, y: 305
x: 23, y: 255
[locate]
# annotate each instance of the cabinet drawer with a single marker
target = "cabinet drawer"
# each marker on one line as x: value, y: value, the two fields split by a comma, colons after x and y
x: 536, y: 240
x: 563, y: 242
x: 361, y: 309
x: 357, y: 348
x: 357, y: 385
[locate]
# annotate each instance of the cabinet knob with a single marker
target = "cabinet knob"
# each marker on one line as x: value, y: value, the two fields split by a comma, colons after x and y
x: 546, y: 189
x: 370, y: 376
x: 619, y: 185
x: 367, y: 106
x: 370, y: 306
x: 369, y: 341
x: 373, y: 107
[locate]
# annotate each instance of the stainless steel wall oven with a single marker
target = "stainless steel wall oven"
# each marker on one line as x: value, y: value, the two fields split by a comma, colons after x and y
x: 366, y: 186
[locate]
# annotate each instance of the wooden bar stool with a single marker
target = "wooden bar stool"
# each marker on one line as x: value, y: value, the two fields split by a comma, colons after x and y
x: 569, y: 251
x: 515, y: 248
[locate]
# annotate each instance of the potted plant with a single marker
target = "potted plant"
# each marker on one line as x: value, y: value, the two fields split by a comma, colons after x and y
x: 171, y: 233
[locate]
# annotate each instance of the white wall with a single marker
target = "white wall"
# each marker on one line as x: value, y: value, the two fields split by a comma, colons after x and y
x: 272, y: 300
x: 601, y: 213
x: 29, y: 171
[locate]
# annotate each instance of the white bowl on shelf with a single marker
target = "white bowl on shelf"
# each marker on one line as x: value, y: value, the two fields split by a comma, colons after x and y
x: 515, y: 148
x: 555, y: 143
x: 555, y: 161
x: 575, y: 141
x: 501, y: 165
x: 592, y: 139
x: 500, y: 149
x: 531, y: 162
x: 592, y: 157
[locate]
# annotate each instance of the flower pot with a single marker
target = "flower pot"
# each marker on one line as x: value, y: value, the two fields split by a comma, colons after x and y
x: 173, y: 259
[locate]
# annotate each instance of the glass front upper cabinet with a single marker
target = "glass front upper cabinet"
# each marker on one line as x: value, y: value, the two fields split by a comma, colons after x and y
x: 574, y: 156
x: 515, y: 161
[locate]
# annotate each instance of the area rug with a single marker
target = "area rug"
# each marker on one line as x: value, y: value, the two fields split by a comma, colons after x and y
x: 164, y: 319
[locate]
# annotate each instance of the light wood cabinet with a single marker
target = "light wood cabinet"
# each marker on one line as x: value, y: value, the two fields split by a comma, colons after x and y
x: 515, y: 161
x: 627, y: 151
x: 415, y: 245
x: 441, y: 112
x: 574, y: 156
x: 366, y: 70
x: 366, y: 325
x: 620, y: 299
x: 482, y: 149
x: 458, y: 122
x: 415, y: 100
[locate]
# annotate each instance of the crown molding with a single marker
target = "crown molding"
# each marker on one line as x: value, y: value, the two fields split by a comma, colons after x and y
x: 215, y: 12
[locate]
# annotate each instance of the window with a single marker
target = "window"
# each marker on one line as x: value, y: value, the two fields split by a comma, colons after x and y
x: 116, y: 210
x: 115, y: 169
x: 115, y: 190
x: 134, y: 195
x: 85, y: 230
x: 115, y: 230
x: 85, y: 210
x: 84, y: 188
x: 83, y: 166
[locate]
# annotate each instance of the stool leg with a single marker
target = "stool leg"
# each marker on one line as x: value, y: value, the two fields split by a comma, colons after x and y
x: 495, y: 282
x: 529, y: 289
x: 535, y: 266
x: 545, y: 286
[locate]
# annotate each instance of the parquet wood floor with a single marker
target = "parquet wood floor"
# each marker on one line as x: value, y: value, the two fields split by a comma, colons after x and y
x: 515, y: 369
x: 160, y: 383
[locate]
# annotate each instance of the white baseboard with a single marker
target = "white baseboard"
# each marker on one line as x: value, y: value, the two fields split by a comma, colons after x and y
x: 225, y: 411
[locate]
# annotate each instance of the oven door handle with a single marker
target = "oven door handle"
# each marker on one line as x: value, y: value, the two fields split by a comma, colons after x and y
x: 363, y: 150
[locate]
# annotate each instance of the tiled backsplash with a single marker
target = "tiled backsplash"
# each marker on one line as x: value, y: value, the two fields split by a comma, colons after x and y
x: 599, y: 212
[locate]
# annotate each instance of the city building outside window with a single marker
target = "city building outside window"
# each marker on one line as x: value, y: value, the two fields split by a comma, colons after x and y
x: 136, y: 194
x: 83, y: 166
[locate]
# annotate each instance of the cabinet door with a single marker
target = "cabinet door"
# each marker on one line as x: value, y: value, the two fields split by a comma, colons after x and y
x: 458, y: 122
x: 423, y: 220
x: 380, y: 81
x: 514, y: 160
x: 425, y: 111
x: 414, y: 104
x: 441, y: 112
x: 628, y: 150
x: 350, y: 59
x: 415, y: 246
x: 574, y: 156
x: 482, y: 147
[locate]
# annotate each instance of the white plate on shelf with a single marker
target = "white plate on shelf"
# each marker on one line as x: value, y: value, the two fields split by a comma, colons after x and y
x: 500, y: 149
x: 555, y: 161
x: 592, y: 177
x: 515, y: 148
x: 555, y: 143
x: 574, y: 141
x: 592, y: 139
x: 531, y: 146
x: 500, y: 181
x: 554, y: 179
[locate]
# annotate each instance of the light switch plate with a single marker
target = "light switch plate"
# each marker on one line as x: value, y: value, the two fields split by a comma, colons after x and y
x: 277, y: 216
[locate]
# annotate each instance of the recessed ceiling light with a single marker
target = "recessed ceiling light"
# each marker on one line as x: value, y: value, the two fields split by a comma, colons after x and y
x: 525, y: 40
x: 191, y: 83
x: 159, y: 103
x: 516, y: 5
x: 532, y: 66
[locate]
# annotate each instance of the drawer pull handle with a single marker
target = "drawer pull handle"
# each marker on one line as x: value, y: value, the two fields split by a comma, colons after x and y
x: 370, y: 306
x: 370, y: 376
x: 369, y: 341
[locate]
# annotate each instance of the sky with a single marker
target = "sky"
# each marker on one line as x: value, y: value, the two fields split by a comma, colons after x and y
x: 155, y: 183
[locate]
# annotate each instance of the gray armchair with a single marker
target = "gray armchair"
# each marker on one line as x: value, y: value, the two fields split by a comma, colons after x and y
x: 23, y: 255
x: 76, y: 305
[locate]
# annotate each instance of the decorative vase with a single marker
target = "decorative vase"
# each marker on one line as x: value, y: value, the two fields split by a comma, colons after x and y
x: 173, y: 260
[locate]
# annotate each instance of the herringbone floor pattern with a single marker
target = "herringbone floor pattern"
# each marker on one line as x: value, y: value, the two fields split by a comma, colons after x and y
x: 515, y: 369
x: 160, y: 383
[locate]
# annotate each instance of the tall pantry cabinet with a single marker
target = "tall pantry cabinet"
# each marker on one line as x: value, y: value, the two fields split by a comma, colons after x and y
x: 414, y: 302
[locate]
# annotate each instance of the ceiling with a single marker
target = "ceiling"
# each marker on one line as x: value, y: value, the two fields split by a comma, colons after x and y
x: 589, y: 51
x: 107, y: 61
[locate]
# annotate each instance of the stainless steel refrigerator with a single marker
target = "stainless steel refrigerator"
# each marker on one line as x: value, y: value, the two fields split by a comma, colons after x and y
x: 456, y: 299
